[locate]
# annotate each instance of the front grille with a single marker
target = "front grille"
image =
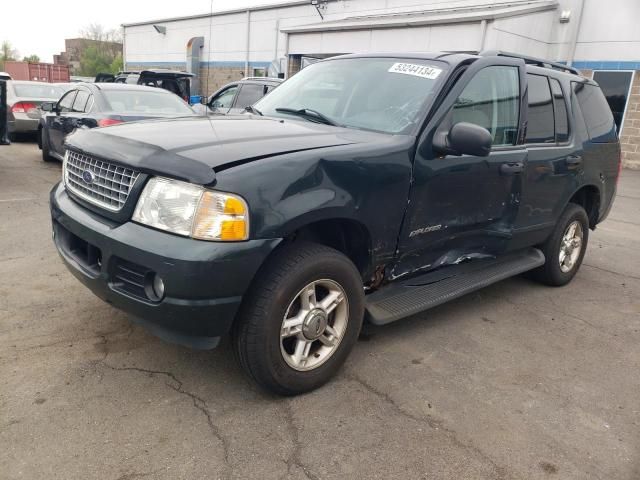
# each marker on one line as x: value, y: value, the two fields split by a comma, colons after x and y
x: 101, y: 183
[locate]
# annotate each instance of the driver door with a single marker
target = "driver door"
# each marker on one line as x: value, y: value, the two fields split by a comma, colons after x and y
x: 464, y: 207
x: 56, y: 122
x: 222, y: 101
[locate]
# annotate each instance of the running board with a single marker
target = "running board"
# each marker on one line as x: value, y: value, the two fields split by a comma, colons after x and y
x: 417, y: 294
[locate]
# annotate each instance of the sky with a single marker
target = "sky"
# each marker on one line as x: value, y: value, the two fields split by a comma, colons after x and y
x: 40, y: 26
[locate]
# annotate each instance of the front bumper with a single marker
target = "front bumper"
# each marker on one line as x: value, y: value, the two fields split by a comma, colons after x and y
x: 204, y: 281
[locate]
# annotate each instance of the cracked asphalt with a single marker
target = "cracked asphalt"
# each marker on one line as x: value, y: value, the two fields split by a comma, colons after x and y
x: 517, y: 381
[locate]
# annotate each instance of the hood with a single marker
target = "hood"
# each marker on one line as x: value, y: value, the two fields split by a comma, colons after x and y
x: 193, y: 148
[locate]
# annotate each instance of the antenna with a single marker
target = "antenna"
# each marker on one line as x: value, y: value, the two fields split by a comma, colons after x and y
x: 209, y: 48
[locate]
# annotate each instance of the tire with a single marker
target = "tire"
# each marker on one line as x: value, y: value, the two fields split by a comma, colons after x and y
x: 554, y: 273
x: 44, y: 141
x: 267, y: 349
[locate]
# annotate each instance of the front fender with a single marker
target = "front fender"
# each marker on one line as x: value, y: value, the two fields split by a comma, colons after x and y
x: 367, y: 183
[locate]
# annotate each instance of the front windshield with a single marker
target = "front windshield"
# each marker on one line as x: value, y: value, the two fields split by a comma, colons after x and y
x: 146, y: 101
x: 381, y: 94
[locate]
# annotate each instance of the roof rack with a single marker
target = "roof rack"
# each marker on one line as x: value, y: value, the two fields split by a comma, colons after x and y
x: 531, y: 60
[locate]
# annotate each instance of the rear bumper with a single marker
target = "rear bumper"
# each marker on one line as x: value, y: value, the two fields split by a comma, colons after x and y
x: 204, y: 281
x: 21, y: 123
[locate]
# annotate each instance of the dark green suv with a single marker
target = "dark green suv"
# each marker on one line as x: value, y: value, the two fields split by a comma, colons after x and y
x: 365, y: 188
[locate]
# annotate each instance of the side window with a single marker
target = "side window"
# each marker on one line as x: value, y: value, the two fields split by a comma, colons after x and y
x: 66, y: 102
x: 560, y: 112
x: 491, y: 100
x: 595, y: 111
x: 80, y: 102
x: 89, y: 104
x: 224, y: 99
x: 249, y: 94
x: 540, y: 119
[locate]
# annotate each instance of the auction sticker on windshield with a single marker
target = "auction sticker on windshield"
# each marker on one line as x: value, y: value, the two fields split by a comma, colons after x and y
x: 424, y: 71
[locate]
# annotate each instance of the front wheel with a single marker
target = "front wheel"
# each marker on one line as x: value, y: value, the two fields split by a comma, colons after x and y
x: 300, y: 319
x: 565, y: 248
x: 44, y: 142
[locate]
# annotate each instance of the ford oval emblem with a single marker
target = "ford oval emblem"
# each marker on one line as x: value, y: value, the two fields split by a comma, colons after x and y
x: 88, y: 177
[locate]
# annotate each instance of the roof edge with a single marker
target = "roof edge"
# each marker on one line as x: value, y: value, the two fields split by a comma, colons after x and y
x: 443, y: 17
x: 218, y: 13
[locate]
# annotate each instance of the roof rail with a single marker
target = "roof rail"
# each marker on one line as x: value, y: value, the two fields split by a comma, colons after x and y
x: 531, y: 60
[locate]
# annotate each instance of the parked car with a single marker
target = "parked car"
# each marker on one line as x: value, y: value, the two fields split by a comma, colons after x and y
x: 235, y: 97
x: 171, y: 80
x: 92, y: 105
x: 5, y: 76
x: 23, y: 102
x: 365, y: 187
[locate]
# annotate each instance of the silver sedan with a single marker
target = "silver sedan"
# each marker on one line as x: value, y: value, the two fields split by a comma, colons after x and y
x: 23, y: 102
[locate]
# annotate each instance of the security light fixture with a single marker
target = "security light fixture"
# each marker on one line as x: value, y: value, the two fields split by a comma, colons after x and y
x: 160, y: 29
x: 565, y: 16
x: 320, y: 5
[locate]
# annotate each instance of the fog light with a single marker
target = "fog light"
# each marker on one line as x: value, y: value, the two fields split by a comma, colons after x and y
x: 154, y: 287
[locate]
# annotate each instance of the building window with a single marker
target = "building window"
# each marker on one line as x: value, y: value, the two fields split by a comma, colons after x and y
x: 615, y: 86
x: 259, y: 72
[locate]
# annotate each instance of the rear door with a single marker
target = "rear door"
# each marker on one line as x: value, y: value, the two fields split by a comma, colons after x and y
x: 554, y: 162
x: 464, y: 207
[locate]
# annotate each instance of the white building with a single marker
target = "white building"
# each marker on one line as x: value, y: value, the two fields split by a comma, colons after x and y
x: 593, y: 35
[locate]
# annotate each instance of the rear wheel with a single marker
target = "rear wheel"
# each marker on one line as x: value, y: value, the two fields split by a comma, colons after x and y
x: 44, y: 141
x: 565, y: 248
x: 300, y: 319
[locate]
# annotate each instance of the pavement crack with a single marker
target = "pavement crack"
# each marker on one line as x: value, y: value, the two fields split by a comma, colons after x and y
x: 500, y: 472
x: 625, y: 275
x: 294, y: 460
x: 175, y: 384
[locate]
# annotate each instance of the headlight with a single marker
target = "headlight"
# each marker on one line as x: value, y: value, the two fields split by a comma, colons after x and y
x: 191, y: 210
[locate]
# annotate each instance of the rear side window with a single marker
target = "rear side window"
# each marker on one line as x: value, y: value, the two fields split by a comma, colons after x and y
x: 249, y: 94
x: 596, y: 112
x: 80, y: 102
x: 560, y: 111
x: 540, y: 119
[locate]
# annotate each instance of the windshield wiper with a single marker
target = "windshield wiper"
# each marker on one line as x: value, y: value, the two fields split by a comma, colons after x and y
x: 252, y: 109
x: 309, y: 114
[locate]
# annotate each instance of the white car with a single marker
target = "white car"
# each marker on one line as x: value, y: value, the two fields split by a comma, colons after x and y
x: 5, y: 76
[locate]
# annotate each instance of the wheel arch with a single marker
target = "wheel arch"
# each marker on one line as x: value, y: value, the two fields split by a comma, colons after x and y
x: 347, y: 235
x: 589, y: 198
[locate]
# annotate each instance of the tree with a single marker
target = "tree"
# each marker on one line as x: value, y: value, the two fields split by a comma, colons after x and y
x: 7, y: 52
x: 31, y: 58
x: 92, y: 62
x: 101, y: 52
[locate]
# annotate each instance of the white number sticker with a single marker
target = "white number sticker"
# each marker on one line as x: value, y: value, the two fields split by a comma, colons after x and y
x: 424, y: 71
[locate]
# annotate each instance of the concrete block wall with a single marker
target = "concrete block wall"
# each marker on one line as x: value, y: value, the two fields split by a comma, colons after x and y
x: 212, y: 78
x: 630, y: 134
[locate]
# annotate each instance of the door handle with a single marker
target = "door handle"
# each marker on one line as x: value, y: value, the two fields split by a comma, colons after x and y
x: 511, y: 168
x: 574, y: 160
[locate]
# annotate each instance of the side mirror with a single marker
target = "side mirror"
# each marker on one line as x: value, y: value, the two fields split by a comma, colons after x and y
x: 463, y: 139
x: 48, y: 106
